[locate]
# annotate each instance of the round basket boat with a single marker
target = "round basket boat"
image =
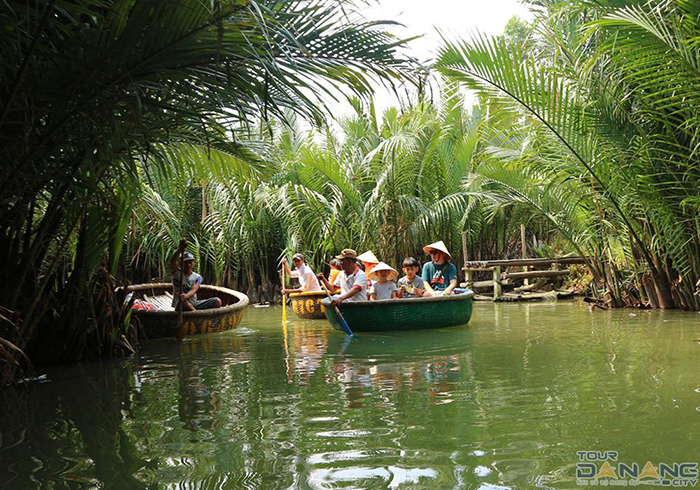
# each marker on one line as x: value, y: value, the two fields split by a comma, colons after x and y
x: 163, y: 321
x: 308, y: 305
x: 403, y: 314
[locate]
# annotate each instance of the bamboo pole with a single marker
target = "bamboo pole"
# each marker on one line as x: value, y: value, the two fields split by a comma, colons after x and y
x: 468, y: 275
x: 284, y: 297
x: 180, y: 331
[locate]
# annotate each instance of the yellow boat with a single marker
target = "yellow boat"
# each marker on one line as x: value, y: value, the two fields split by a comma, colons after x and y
x: 308, y: 305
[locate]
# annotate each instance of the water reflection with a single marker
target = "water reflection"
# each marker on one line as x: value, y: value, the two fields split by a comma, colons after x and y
x: 505, y: 402
x: 63, y: 430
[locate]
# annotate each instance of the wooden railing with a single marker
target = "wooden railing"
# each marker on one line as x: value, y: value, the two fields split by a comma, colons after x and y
x: 495, y: 267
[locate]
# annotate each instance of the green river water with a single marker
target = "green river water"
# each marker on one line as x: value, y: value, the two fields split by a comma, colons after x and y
x: 505, y: 402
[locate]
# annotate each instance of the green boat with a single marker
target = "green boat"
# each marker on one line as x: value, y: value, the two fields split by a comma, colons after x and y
x: 403, y: 314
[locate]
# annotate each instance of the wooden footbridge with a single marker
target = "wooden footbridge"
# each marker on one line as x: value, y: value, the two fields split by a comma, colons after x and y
x: 531, y: 269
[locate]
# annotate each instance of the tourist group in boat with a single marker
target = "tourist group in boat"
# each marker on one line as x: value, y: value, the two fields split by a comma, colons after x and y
x: 348, y: 281
x: 377, y: 280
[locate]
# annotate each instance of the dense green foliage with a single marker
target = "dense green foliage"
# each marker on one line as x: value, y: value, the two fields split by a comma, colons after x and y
x: 126, y: 125
x: 391, y: 185
x: 610, y: 130
x: 95, y: 94
x: 588, y: 122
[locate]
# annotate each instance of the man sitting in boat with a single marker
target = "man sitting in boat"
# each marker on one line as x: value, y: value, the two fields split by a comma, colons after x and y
x: 351, y: 281
x: 190, y: 284
x: 439, y: 275
x: 307, y: 278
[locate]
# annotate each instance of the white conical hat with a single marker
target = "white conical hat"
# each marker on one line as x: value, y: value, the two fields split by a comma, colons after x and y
x: 381, y: 266
x: 368, y: 257
x: 437, y: 246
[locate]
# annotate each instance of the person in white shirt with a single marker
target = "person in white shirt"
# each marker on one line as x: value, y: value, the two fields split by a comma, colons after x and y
x: 307, y: 278
x: 351, y: 281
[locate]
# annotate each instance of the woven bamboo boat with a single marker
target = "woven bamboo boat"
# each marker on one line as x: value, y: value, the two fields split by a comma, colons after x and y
x: 308, y: 305
x: 403, y: 314
x: 163, y: 321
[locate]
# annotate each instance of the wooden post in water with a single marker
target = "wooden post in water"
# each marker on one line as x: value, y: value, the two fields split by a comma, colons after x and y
x: 469, y: 278
x: 496, y: 282
x: 523, y: 250
x: 468, y: 274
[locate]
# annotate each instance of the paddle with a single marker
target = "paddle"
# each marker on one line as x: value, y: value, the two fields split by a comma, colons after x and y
x: 284, y: 297
x: 179, y: 331
x: 337, y: 312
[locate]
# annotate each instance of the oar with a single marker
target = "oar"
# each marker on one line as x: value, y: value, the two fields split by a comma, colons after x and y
x: 179, y: 331
x: 284, y: 297
x: 337, y: 312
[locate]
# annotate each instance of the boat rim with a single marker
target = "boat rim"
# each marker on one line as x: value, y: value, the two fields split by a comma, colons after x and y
x: 432, y: 299
x: 307, y: 294
x: 238, y: 305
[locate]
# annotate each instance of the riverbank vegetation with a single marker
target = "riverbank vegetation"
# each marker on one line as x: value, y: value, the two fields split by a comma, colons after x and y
x: 127, y: 125
x: 389, y: 184
x: 609, y: 99
x: 95, y: 94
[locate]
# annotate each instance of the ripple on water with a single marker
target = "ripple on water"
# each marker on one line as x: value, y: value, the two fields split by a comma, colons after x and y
x: 263, y: 407
x: 482, y: 471
x: 323, y: 419
x: 490, y: 486
x: 349, y: 455
x: 354, y: 433
x: 392, y: 476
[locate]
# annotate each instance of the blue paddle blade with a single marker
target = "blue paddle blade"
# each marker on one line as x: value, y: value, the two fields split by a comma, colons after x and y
x: 345, y: 326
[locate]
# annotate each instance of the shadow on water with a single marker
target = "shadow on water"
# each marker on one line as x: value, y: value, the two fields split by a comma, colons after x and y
x: 77, y: 416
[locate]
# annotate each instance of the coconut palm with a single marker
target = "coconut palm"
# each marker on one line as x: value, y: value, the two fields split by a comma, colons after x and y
x: 611, y: 103
x: 95, y: 93
x: 391, y: 184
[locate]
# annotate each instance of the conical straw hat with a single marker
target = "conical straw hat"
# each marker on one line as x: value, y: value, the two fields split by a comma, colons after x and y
x: 381, y: 266
x: 368, y: 257
x: 440, y: 245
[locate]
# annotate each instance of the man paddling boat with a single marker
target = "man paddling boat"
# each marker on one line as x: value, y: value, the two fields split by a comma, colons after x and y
x: 307, y: 278
x: 351, y: 281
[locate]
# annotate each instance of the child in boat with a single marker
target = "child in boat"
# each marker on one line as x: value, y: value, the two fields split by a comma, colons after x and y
x: 383, y: 285
x: 411, y: 285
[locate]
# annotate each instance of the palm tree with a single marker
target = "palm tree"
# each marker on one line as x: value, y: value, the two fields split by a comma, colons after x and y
x: 611, y: 104
x: 391, y: 184
x: 95, y: 93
